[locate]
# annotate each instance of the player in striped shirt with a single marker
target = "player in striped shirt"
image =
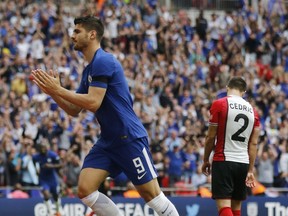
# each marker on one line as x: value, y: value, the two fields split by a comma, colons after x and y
x: 232, y: 134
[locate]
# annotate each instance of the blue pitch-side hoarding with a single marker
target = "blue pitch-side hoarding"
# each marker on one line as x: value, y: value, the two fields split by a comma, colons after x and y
x: 187, y: 206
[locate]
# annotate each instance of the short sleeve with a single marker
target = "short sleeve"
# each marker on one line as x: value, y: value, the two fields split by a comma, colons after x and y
x: 214, y: 113
x: 256, y: 119
x: 102, y: 69
x: 83, y: 86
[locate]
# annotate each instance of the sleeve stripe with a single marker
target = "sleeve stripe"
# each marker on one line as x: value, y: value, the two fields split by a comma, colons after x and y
x: 103, y: 79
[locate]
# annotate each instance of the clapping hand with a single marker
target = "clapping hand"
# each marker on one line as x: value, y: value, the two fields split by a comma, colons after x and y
x: 48, y: 82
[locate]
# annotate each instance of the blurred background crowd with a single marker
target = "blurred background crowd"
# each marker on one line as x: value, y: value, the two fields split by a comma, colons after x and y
x: 176, y: 65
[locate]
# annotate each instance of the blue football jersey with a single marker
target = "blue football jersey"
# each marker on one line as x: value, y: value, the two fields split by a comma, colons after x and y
x: 118, y: 121
x: 47, y: 174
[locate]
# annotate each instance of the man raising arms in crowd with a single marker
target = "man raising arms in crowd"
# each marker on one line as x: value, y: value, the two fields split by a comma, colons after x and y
x: 235, y: 125
x: 123, y: 146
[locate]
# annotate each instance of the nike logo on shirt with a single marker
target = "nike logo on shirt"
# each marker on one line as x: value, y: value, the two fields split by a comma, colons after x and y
x: 140, y: 177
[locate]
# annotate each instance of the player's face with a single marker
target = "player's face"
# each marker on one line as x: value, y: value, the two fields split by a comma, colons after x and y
x: 43, y: 149
x: 80, y: 38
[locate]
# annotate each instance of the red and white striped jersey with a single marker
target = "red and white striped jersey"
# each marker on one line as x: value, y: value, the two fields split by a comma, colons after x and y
x: 235, y: 118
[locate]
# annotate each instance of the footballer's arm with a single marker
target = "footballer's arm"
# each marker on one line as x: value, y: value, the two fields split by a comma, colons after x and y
x: 252, y: 150
x: 210, y: 141
x: 91, y: 101
x: 69, y: 101
x: 68, y: 107
x: 209, y: 146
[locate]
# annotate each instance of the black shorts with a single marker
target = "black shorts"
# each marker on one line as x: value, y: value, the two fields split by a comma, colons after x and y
x: 228, y: 180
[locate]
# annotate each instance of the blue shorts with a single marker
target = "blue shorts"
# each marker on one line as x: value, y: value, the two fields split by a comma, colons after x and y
x: 134, y: 159
x: 50, y: 186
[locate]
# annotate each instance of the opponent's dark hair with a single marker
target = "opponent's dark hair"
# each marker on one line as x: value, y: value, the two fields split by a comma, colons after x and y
x: 90, y: 23
x: 237, y: 83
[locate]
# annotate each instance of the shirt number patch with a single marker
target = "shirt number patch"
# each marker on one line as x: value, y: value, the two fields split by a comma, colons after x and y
x: 237, y: 136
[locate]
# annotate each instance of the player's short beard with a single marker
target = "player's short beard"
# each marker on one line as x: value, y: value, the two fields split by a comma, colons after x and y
x: 77, y: 48
x: 81, y: 47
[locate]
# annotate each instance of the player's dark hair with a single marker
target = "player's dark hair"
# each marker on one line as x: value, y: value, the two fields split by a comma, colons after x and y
x: 90, y: 23
x: 237, y: 83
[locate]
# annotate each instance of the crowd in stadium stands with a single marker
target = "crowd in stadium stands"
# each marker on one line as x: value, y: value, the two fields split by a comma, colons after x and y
x: 175, y: 67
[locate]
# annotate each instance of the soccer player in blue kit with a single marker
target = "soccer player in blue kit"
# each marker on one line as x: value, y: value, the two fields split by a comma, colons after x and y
x: 123, y: 145
x: 48, y: 163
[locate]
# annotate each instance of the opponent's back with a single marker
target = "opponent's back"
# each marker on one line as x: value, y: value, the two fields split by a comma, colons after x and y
x: 235, y: 118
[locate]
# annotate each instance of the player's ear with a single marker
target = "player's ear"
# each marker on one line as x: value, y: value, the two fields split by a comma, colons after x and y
x: 93, y: 34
